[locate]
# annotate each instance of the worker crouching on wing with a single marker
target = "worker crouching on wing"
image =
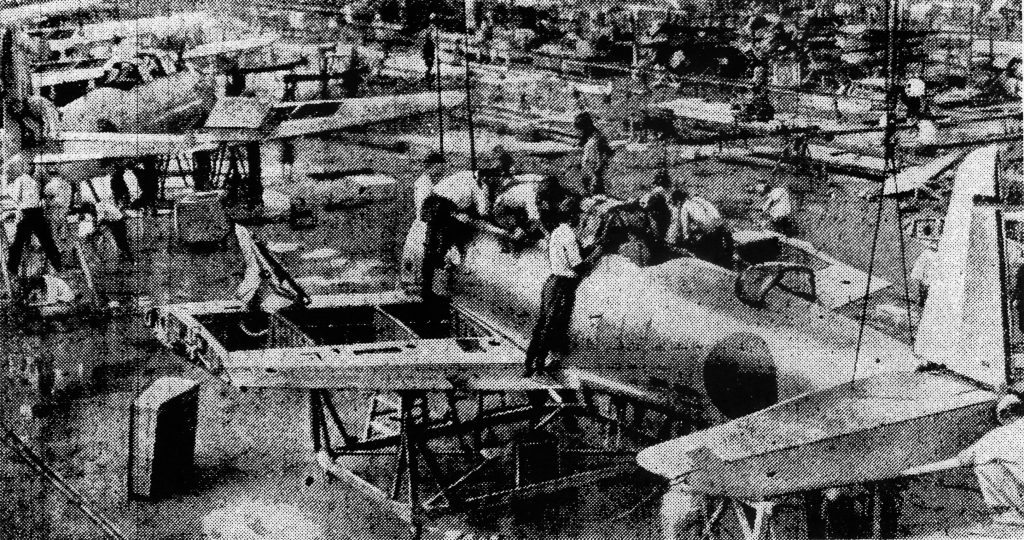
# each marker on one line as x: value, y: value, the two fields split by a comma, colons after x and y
x: 568, y: 267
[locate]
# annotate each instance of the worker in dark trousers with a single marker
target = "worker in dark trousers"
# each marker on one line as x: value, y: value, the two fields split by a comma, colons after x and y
x: 557, y: 298
x: 28, y: 200
x: 446, y: 212
x: 596, y: 153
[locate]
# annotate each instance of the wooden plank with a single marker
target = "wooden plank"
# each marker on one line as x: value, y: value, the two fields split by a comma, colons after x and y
x: 403, y: 511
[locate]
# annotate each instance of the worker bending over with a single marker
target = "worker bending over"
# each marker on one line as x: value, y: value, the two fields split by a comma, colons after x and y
x: 558, y: 296
x: 696, y: 225
x: 446, y: 211
x: 516, y: 209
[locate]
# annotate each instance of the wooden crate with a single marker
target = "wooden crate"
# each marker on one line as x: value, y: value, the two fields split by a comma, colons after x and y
x: 199, y: 218
x: 163, y: 437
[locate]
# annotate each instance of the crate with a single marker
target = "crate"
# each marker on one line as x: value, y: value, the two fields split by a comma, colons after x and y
x: 199, y: 219
x: 163, y: 437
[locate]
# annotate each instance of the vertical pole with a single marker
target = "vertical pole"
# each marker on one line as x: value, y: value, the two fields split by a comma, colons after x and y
x: 314, y: 420
x: 409, y: 446
x: 469, y: 99
x: 440, y: 104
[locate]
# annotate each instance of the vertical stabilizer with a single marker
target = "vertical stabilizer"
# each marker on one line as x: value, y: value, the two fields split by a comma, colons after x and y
x: 964, y: 319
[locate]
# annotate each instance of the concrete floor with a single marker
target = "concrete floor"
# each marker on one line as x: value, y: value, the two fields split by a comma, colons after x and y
x: 255, y: 444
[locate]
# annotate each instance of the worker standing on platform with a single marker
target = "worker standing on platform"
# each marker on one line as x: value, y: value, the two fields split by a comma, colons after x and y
x: 596, y: 153
x: 27, y: 194
x: 106, y: 212
x: 446, y: 212
x: 558, y: 296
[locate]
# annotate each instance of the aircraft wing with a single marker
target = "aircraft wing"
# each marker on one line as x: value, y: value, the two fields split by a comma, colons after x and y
x: 233, y: 46
x: 295, y: 119
x: 877, y: 427
x: 384, y: 341
x: 87, y: 146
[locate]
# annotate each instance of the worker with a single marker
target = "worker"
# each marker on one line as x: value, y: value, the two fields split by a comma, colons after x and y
x: 516, y: 210
x: 428, y: 47
x: 558, y: 296
x: 434, y: 165
x: 446, y: 212
x: 57, y: 194
x: 105, y: 210
x: 502, y: 166
x: 27, y: 195
x: 656, y: 203
x: 923, y: 271
x: 913, y: 97
x: 998, y: 462
x: 777, y: 208
x: 596, y: 153
x: 697, y: 225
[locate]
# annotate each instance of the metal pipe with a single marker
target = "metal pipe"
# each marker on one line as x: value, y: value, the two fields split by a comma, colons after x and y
x: 23, y: 451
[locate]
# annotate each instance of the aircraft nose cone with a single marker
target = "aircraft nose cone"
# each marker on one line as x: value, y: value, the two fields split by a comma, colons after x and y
x: 670, y: 459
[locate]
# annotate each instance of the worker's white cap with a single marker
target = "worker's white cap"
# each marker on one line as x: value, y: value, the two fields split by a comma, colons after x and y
x: 914, y: 87
x: 1008, y: 409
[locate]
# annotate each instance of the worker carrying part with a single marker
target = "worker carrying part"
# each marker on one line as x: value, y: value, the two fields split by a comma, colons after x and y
x: 447, y: 211
x: 558, y: 297
x: 697, y: 226
x: 998, y: 462
x: 596, y: 154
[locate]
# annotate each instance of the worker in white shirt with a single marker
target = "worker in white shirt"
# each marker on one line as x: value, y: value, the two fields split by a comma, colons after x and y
x: 923, y: 271
x: 446, y: 212
x: 516, y: 209
x: 698, y: 226
x: 998, y: 462
x: 27, y: 194
x: 777, y: 208
x: 424, y: 185
x: 558, y: 296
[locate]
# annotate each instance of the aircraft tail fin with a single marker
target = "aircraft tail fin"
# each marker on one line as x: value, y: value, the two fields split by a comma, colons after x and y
x: 963, y: 325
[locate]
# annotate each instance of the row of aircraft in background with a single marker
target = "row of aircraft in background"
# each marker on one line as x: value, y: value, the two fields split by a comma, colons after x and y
x: 122, y: 95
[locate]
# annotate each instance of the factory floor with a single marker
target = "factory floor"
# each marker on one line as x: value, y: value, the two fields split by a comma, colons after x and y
x: 253, y: 447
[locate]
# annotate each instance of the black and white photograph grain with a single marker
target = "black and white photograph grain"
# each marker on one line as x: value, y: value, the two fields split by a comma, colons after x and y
x: 511, y: 270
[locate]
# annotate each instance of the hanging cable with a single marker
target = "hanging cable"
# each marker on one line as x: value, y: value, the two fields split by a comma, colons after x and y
x: 891, y: 15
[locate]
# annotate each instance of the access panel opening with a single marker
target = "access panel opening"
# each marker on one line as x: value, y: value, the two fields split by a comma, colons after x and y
x: 435, y: 322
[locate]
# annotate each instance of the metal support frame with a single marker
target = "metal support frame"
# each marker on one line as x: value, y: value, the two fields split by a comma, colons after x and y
x: 449, y: 452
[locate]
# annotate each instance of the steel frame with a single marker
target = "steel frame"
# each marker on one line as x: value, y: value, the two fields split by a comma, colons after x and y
x: 482, y: 481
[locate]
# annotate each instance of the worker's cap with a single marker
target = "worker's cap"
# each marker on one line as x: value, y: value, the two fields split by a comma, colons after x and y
x: 433, y: 158
x: 1009, y: 409
x: 662, y: 179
